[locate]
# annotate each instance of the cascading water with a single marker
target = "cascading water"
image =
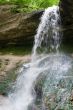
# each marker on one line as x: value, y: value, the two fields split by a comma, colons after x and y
x: 56, y: 67
x: 48, y: 36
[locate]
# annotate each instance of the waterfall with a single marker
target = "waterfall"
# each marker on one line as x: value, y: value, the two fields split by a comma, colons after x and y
x: 48, y: 35
x: 55, y: 67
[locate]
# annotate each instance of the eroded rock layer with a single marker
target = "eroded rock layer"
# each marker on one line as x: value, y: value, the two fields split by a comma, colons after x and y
x: 17, y: 28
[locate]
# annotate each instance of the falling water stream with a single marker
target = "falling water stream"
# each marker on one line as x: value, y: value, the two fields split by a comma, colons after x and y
x: 46, y: 61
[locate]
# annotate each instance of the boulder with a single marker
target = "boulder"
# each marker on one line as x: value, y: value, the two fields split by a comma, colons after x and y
x: 17, y: 28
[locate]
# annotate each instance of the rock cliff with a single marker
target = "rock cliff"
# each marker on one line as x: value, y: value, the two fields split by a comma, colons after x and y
x: 17, y: 28
x: 66, y: 11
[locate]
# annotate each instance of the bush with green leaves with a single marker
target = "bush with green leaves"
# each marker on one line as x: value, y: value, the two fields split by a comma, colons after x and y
x: 30, y: 5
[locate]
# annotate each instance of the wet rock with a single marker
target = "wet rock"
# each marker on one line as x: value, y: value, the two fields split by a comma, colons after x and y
x: 38, y: 85
x: 39, y: 92
x: 66, y: 11
x: 17, y: 28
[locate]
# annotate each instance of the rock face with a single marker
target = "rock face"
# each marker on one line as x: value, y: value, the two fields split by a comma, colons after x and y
x: 17, y: 28
x: 66, y: 11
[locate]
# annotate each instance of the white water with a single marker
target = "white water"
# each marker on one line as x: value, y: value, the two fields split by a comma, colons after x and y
x: 48, y: 33
x: 48, y: 30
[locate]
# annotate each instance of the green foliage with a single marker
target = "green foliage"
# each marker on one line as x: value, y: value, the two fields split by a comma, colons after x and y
x: 30, y: 5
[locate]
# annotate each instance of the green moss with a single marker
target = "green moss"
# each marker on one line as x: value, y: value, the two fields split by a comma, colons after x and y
x: 16, y: 50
